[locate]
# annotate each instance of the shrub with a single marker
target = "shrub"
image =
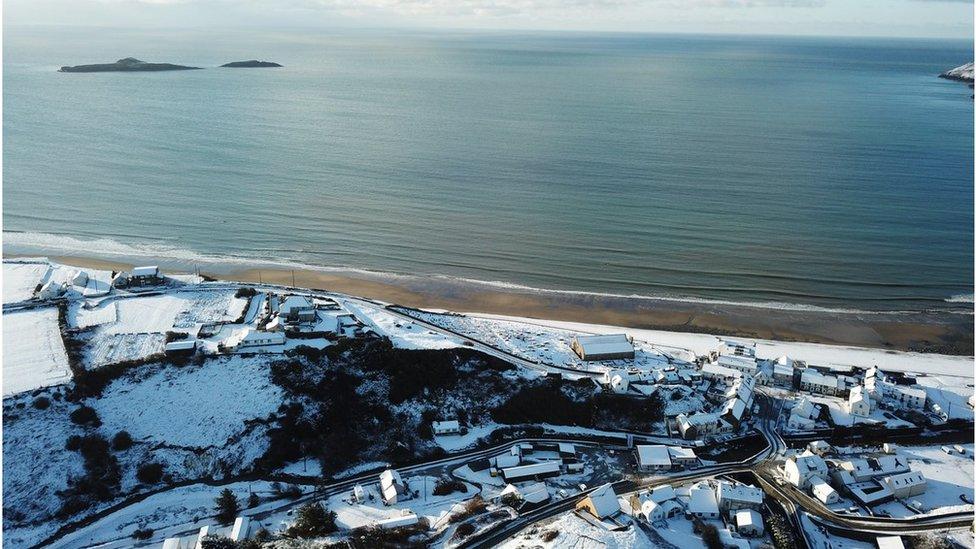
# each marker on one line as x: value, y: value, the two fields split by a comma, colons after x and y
x: 42, y: 403
x: 445, y: 486
x: 142, y: 533
x: 313, y: 521
x: 253, y: 500
x: 464, y: 530
x: 550, y: 535
x: 150, y: 473
x: 176, y: 336
x: 246, y: 291
x: 85, y: 415
x: 121, y: 441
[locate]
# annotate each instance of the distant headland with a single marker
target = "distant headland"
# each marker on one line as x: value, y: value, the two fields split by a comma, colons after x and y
x: 250, y: 64
x: 129, y: 64
x: 962, y: 73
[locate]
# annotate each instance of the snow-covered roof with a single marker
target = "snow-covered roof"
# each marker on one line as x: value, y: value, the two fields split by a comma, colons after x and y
x: 814, y: 377
x: 240, y: 529
x: 544, y: 468
x: 821, y: 490
x: 679, y: 452
x: 148, y: 270
x: 702, y: 500
x: 890, y: 542
x: 389, y: 477
x: 737, y: 362
x: 747, y: 517
x: 719, y: 371
x: 605, y: 344
x: 740, y: 348
x: 566, y: 448
x: 181, y: 345
x: 535, y: 493
x: 653, y: 455
x: 661, y: 493
x: 604, y: 501
x: 450, y: 425
x: 735, y: 408
x: 265, y: 338
x: 740, y: 492
x: 396, y: 522
x: 808, y: 461
x: 295, y: 302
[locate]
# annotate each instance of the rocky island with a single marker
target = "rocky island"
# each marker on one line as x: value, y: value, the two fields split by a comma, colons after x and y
x: 253, y: 63
x: 962, y: 73
x: 129, y: 64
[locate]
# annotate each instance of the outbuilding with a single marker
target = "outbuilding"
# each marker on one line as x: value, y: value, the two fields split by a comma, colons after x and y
x: 450, y: 427
x: 603, y: 347
x: 748, y: 522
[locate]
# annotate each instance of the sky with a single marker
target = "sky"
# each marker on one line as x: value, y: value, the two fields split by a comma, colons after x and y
x: 902, y: 18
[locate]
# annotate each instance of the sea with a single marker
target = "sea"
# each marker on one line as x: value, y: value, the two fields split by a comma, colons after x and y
x: 794, y: 172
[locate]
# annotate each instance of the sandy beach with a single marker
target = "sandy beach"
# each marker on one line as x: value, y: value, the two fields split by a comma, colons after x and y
x: 945, y: 333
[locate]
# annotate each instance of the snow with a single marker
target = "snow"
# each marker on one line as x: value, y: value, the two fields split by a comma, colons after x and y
x: 404, y: 334
x: 580, y: 534
x: 33, y: 352
x: 81, y: 315
x: 435, y: 508
x: 195, y: 406
x: 951, y: 393
x: 947, y: 476
x: 20, y: 279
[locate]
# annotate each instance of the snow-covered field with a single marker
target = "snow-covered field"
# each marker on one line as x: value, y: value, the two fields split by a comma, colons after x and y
x: 191, y: 405
x: 20, y: 279
x: 575, y: 532
x: 403, y: 334
x: 33, y: 352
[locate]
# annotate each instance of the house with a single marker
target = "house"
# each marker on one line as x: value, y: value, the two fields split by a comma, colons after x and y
x: 653, y: 458
x: 906, y: 485
x: 889, y: 448
x: 823, y: 491
x: 819, y: 447
x: 734, y: 410
x: 748, y: 522
x: 601, y: 502
x: 858, y: 402
x: 742, y: 389
x: 534, y: 493
x: 79, y: 278
x: 907, y: 397
x: 870, y: 493
x: 619, y: 382
x: 241, y: 529
x: 732, y: 497
x: 182, y: 347
x: 815, y: 382
x: 534, y: 471
x: 805, y: 408
x: 391, y: 486
x: 297, y: 308
x: 737, y: 348
x: 566, y: 450
x: 682, y: 457
x: 866, y: 469
x: 746, y: 365
x: 798, y: 423
x: 51, y: 290
x: 801, y: 469
x: 257, y: 338
x: 701, y: 424
x: 783, y: 370
x: 504, y: 461
x: 451, y: 427
x: 145, y: 275
x: 702, y: 502
x: 603, y: 347
x: 406, y: 519
x: 716, y: 372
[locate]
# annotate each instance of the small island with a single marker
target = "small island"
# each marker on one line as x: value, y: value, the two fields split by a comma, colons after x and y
x: 129, y: 64
x: 252, y: 64
x: 962, y: 73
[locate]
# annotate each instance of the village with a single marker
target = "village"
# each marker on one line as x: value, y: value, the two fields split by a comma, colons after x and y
x: 751, y: 443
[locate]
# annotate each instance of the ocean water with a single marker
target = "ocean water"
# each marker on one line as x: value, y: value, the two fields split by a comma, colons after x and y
x: 811, y: 171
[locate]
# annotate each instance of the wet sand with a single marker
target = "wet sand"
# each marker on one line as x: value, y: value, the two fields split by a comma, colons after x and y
x: 926, y: 332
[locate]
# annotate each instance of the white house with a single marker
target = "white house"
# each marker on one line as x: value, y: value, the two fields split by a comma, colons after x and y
x: 653, y: 458
x: 701, y: 424
x: 51, y: 290
x: 732, y: 497
x: 391, y: 486
x: 603, y: 347
x: 866, y: 469
x: 748, y: 522
x: 297, y: 308
x: 819, y: 447
x: 682, y: 457
x: 532, y: 471
x: 406, y: 519
x: 257, y: 338
x: 906, y: 485
x: 79, y: 278
x: 743, y: 364
x: 702, y: 502
x: 534, y: 493
x: 816, y: 382
x: 358, y: 494
x: 798, y: 423
x: 805, y: 408
x: 145, y: 275
x: 715, y: 372
x: 823, y: 491
x: 737, y: 348
x: 858, y: 402
x: 802, y: 468
x: 907, y: 397
x: 451, y: 427
x: 783, y: 370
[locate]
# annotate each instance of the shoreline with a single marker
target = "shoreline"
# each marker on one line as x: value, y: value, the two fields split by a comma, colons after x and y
x: 933, y: 332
